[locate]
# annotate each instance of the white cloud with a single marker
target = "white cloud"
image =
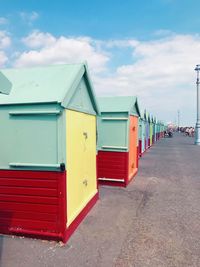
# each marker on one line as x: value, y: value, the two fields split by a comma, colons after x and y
x: 29, y: 17
x: 120, y: 43
x: 161, y: 73
x: 39, y: 39
x: 3, y: 21
x: 5, y: 40
x: 3, y: 58
x: 52, y: 50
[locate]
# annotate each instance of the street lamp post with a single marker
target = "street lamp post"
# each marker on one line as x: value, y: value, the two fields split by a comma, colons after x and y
x: 197, y: 132
x: 179, y: 121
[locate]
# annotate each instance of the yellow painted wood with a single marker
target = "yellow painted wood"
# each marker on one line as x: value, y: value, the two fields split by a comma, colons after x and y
x: 81, y: 161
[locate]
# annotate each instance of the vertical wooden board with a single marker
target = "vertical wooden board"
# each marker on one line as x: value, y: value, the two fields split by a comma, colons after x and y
x: 29, y: 138
x: 75, y: 167
x: 89, y: 154
x: 151, y: 133
x: 133, y: 136
x: 112, y: 132
x: 135, y: 120
x: 81, y: 161
x: 143, y: 136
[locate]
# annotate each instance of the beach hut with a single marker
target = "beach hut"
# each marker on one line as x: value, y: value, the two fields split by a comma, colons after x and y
x: 158, y: 130
x: 155, y: 130
x: 117, y: 159
x: 146, y: 120
x: 142, y: 133
x: 48, y: 150
x: 140, y: 137
x: 151, y: 130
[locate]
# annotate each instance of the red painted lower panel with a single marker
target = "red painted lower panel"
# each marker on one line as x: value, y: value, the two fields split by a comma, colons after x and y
x: 114, y: 167
x: 33, y: 203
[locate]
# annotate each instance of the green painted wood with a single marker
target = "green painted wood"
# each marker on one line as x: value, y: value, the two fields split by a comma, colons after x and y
x: 113, y: 132
x: 119, y: 104
x: 33, y: 121
x: 113, y: 123
x: 140, y: 122
x: 56, y: 83
x: 30, y: 139
x: 81, y: 100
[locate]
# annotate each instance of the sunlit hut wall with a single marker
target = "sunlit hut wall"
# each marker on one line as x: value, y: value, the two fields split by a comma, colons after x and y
x: 146, y: 130
x: 48, y: 150
x: 117, y: 140
x: 142, y: 134
x: 155, y: 130
x: 159, y: 128
x: 151, y: 130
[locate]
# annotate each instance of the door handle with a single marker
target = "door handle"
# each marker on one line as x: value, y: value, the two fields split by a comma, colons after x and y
x: 85, y: 182
x: 85, y: 134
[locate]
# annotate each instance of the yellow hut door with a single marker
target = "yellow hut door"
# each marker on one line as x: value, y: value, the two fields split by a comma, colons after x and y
x: 81, y: 161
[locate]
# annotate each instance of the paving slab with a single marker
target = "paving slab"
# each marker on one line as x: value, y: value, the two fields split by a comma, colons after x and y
x: 154, y: 222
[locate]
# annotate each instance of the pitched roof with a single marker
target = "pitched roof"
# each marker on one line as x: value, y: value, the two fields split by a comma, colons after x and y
x: 47, y: 84
x: 119, y: 104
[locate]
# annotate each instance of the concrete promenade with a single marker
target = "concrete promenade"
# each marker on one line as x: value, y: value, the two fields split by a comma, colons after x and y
x: 155, y: 222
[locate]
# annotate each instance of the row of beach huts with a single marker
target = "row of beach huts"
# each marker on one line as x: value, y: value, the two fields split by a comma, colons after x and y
x: 58, y: 142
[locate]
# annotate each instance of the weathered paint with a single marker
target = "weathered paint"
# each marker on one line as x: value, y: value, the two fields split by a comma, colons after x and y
x: 118, y: 138
x: 28, y: 118
x: 81, y: 161
x: 141, y: 131
x: 49, y: 84
x: 117, y: 125
x: 113, y: 165
x: 39, y: 134
x: 33, y: 202
x: 143, y: 135
x: 24, y: 137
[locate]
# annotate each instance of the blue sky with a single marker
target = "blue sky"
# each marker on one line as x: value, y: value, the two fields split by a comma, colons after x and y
x: 148, y: 48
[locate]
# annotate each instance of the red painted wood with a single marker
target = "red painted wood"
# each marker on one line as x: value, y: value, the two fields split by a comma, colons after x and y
x: 112, y: 165
x: 33, y: 202
x: 42, y: 215
x: 17, y: 206
x: 28, y: 182
x: 114, y: 169
x: 28, y: 199
x: 22, y: 190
